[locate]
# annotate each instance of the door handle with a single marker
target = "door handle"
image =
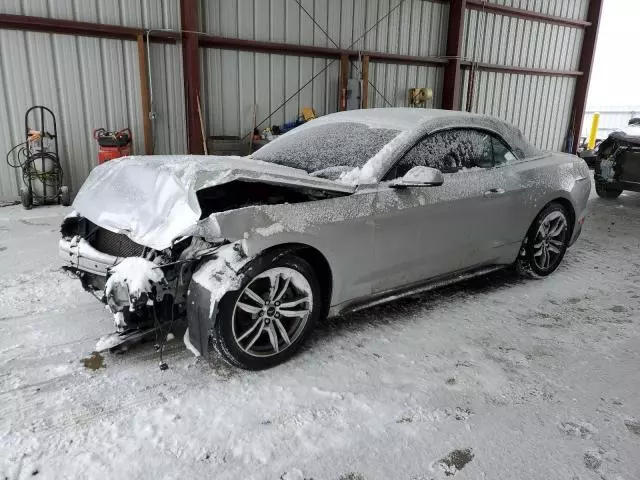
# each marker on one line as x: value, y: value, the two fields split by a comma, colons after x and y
x: 494, y: 192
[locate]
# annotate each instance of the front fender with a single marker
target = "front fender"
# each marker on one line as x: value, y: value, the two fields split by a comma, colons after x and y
x: 211, y: 280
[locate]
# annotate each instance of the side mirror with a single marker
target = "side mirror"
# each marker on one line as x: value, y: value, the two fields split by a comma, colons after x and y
x: 419, y: 177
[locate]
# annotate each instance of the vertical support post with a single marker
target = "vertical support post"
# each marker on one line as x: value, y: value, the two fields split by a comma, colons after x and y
x: 191, y: 72
x: 452, y: 73
x: 586, y: 63
x: 593, y: 134
x: 364, y: 99
x: 471, y: 88
x: 147, y: 129
x: 344, y: 78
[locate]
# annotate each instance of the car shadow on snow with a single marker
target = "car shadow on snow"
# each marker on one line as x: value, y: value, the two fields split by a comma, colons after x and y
x: 406, y: 308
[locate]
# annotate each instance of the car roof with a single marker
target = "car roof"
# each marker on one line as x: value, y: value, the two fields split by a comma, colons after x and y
x: 400, y: 118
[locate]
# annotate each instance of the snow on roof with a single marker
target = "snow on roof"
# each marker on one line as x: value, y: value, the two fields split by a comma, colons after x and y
x: 391, y: 118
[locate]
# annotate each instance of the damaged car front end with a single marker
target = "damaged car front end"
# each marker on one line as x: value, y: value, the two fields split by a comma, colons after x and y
x: 617, y: 166
x: 167, y: 248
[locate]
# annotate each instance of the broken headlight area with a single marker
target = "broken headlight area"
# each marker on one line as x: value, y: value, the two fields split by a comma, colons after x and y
x: 131, y: 279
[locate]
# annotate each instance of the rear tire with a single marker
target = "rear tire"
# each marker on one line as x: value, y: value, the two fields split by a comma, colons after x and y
x: 606, y: 191
x: 546, y: 243
x: 243, y: 317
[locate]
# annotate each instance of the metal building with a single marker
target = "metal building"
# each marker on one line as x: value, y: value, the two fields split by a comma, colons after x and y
x: 158, y: 66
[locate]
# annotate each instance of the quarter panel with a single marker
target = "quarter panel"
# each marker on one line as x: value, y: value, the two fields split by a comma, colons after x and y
x: 543, y: 180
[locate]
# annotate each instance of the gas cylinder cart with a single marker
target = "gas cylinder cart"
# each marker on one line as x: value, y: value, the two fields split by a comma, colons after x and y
x: 38, y: 160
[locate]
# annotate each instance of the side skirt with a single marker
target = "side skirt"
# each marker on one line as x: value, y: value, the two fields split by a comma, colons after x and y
x: 391, y: 295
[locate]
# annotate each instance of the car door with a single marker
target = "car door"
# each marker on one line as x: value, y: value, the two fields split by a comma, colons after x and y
x: 426, y: 232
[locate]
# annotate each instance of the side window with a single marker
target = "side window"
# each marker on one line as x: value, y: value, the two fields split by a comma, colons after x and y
x: 501, y: 153
x: 449, y: 151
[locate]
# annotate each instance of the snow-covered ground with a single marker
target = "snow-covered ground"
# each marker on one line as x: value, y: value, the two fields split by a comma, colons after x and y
x: 519, y: 379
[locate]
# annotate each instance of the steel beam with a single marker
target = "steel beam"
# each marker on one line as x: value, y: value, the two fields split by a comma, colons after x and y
x: 483, y: 5
x: 226, y: 43
x: 586, y: 63
x: 86, y: 29
x: 490, y: 67
x: 191, y: 73
x: 451, y: 84
x: 147, y: 128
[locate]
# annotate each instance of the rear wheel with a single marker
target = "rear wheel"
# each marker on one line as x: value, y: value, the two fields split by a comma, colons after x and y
x: 546, y: 243
x: 271, y: 315
x: 607, y: 191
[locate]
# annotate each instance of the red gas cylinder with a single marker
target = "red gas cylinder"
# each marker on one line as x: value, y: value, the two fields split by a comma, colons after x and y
x: 112, y: 144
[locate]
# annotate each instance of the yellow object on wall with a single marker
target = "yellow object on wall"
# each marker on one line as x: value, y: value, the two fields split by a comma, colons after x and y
x: 591, y: 144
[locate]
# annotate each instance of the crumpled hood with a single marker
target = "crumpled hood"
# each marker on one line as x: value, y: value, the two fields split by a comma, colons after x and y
x: 152, y: 199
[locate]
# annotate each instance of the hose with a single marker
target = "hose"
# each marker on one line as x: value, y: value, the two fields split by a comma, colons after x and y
x: 26, y: 160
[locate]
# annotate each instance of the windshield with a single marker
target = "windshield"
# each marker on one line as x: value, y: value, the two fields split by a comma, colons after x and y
x: 327, y: 149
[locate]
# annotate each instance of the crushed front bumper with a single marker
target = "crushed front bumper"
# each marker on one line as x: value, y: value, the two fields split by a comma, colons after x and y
x: 79, y: 255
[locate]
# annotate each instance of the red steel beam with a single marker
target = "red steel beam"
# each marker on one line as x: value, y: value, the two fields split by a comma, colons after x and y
x: 586, y: 63
x: 226, y: 43
x: 191, y: 72
x: 526, y: 14
x: 489, y: 67
x: 452, y: 73
x: 87, y: 29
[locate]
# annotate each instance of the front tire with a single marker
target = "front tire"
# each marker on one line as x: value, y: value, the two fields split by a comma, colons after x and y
x: 271, y: 315
x: 546, y: 243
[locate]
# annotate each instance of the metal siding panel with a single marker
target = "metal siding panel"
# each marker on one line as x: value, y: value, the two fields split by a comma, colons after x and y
x: 334, y: 8
x: 381, y: 29
x: 246, y: 19
x: 292, y: 84
x: 262, y: 86
x: 393, y: 30
x: 413, y: 27
x: 346, y: 24
x: 320, y: 14
x: 305, y: 98
x: 157, y: 14
x: 307, y: 27
x: 230, y: 92
x: 404, y: 19
x: 246, y: 75
x: 277, y: 89
x: 261, y: 23
x: 547, y: 6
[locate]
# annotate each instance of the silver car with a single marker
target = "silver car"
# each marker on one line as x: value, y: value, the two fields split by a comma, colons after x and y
x: 347, y: 211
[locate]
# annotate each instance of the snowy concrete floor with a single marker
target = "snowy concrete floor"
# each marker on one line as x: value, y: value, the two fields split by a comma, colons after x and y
x: 539, y: 379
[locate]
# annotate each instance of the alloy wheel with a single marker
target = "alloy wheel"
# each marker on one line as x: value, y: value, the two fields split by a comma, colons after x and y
x: 550, y: 241
x: 272, y: 311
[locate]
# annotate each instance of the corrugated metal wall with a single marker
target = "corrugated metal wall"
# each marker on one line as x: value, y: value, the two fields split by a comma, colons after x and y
x: 129, y: 13
x: 571, y: 9
x: 236, y: 81
x: 87, y: 82
x: 538, y: 105
x: 391, y: 84
x: 417, y: 27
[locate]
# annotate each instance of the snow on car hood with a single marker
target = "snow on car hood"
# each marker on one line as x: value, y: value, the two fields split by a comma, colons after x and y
x: 152, y: 199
